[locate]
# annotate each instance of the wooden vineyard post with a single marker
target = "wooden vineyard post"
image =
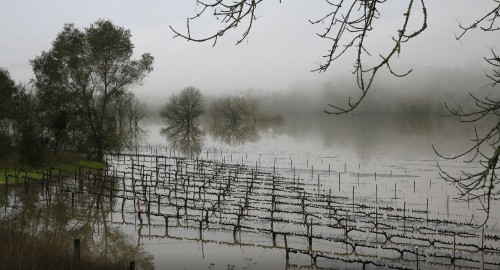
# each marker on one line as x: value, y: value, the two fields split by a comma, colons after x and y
x: 274, y: 166
x: 339, y: 181
x: 454, y: 246
x: 76, y: 252
x: 395, y: 188
x: 417, y: 258
x: 329, y: 203
x: 311, y: 236
x: 376, y: 224
x: 318, y: 185
x: 482, y: 240
x: 427, y: 211
x: 286, y: 248
x: 352, y: 198
x: 404, y: 217
x: 201, y: 229
x: 448, y: 205
x: 6, y: 179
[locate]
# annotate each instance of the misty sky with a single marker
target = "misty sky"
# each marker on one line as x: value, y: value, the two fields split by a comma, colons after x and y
x: 280, y: 52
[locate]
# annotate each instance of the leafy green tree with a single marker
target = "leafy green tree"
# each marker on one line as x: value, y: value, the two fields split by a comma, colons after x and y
x: 8, y: 92
x: 80, y: 77
x: 30, y: 141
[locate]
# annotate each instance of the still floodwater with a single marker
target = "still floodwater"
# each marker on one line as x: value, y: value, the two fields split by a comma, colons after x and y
x: 321, y: 193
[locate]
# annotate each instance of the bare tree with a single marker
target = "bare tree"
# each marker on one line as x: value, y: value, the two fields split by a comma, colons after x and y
x: 181, y: 114
x: 234, y: 119
x: 483, y: 184
x: 184, y: 108
x: 349, y: 24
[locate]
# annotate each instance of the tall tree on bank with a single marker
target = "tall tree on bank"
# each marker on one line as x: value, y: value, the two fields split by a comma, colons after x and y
x: 8, y: 92
x: 83, y: 73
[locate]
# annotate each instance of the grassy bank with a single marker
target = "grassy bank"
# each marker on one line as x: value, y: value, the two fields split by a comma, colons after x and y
x: 69, y: 166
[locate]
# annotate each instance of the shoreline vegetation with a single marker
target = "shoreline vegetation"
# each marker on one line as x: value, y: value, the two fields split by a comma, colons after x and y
x: 29, y: 249
x: 57, y: 165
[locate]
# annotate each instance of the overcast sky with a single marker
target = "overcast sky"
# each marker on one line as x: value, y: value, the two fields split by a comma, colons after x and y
x: 280, y: 51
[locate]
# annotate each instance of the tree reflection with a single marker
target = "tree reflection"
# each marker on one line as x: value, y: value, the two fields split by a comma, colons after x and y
x: 181, y: 115
x: 42, y: 226
x: 186, y: 138
x: 234, y: 133
x: 234, y: 120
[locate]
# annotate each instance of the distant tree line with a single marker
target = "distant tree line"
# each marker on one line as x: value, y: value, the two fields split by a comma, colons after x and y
x: 79, y: 100
x: 232, y: 119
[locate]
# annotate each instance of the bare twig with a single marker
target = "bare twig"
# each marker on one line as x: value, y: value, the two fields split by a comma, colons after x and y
x: 486, y: 23
x: 348, y: 24
x: 481, y: 186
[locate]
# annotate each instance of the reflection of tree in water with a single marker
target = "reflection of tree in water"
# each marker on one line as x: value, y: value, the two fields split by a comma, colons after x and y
x: 234, y: 121
x: 181, y: 115
x: 234, y: 133
x: 44, y: 231
x: 186, y: 138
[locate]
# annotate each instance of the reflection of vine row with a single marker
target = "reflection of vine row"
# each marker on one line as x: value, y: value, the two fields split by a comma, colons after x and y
x: 199, y: 197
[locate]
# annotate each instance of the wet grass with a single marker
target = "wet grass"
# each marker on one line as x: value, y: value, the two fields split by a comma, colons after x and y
x: 68, y: 166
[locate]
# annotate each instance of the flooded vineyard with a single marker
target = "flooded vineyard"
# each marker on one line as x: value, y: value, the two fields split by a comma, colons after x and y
x: 261, y: 210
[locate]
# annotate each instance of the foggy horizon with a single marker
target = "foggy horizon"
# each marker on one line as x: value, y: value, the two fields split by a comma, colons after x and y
x: 276, y: 58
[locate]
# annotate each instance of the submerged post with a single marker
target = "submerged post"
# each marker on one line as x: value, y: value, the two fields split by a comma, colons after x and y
x: 319, y: 185
x: 353, y: 198
x: 395, y: 189
x: 76, y: 252
x: 286, y: 247
x: 339, y: 181
x: 6, y: 180
x: 427, y: 210
x: 417, y: 258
